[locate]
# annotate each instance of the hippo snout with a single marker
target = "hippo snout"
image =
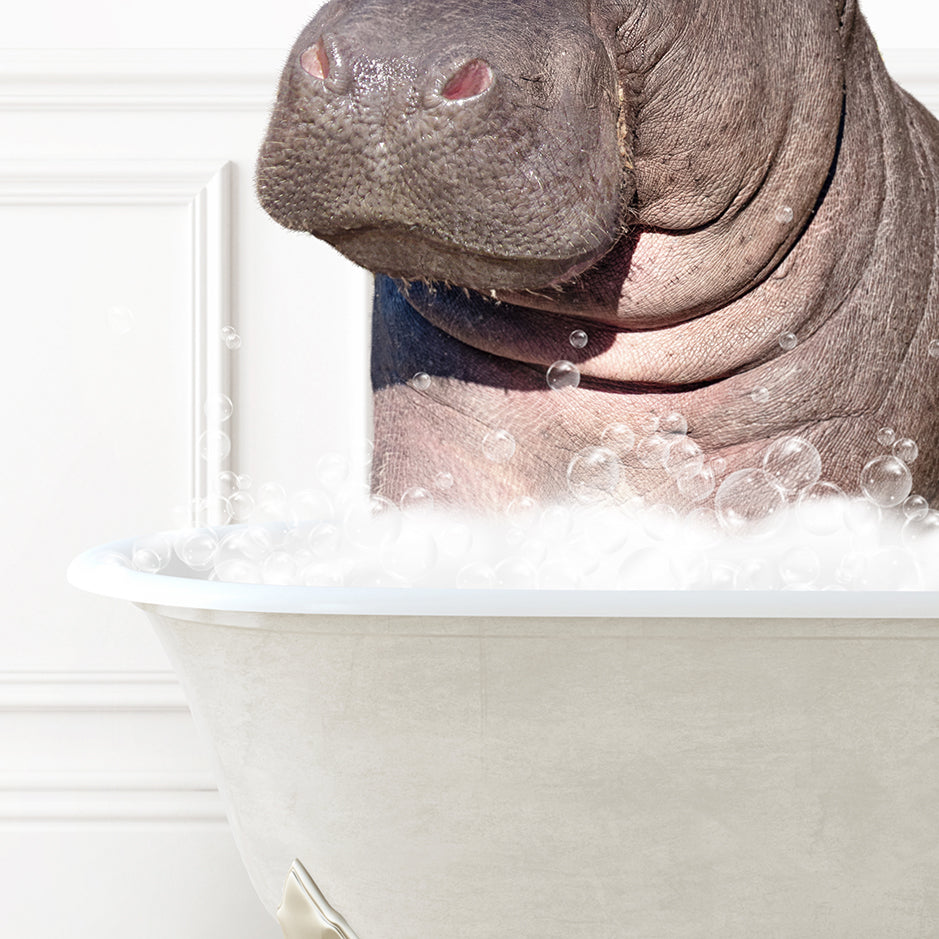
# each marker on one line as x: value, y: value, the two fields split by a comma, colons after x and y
x: 449, y: 145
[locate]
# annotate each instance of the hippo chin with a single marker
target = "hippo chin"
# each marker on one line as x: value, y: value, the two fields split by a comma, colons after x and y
x: 724, y: 211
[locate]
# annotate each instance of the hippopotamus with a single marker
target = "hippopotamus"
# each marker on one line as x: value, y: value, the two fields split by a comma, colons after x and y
x: 716, y: 219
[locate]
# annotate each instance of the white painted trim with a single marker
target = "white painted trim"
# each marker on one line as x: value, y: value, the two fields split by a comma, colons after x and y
x: 141, y: 79
x: 203, y: 187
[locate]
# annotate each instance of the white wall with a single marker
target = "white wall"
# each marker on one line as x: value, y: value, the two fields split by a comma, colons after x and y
x: 127, y: 141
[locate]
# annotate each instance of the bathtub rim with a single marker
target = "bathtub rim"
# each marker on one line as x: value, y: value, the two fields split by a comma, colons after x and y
x: 94, y: 572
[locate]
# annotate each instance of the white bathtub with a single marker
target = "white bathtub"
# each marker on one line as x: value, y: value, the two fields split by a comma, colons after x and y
x: 543, y: 765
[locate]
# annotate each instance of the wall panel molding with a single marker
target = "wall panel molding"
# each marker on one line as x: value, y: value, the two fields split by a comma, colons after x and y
x: 203, y: 188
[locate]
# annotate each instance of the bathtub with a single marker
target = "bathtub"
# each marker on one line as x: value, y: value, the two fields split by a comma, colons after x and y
x: 444, y: 764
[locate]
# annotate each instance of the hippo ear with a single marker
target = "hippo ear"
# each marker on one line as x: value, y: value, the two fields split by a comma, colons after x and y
x: 720, y: 100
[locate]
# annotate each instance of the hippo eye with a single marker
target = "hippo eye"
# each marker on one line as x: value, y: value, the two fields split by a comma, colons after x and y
x: 315, y: 62
x: 471, y: 79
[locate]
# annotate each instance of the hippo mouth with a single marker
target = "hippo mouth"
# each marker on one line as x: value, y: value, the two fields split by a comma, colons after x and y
x: 410, y: 254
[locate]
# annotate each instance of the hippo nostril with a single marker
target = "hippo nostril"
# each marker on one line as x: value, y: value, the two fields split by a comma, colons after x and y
x: 314, y: 61
x: 471, y: 79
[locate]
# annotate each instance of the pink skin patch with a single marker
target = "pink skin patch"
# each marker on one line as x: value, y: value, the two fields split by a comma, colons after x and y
x: 472, y: 79
x: 315, y: 62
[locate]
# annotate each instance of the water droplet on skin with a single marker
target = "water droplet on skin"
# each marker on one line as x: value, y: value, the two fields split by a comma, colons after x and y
x: 619, y: 438
x: 652, y: 451
x: 593, y: 474
x: 218, y: 407
x: 499, y: 446
x: 719, y: 466
x: 748, y: 503
x: 649, y: 424
x: 578, y: 339
x: 787, y: 341
x: 760, y: 395
x: 886, y: 481
x: 214, y: 445
x: 230, y: 337
x: 906, y: 450
x: 792, y: 463
x: 915, y: 507
x: 674, y: 424
x: 420, y: 381
x: 886, y: 436
x: 120, y: 320
x: 563, y: 375
x: 784, y: 215
x: 443, y: 481
x: 932, y: 349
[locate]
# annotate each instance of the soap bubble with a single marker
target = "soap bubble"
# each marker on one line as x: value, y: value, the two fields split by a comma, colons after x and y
x: 230, y: 337
x: 309, y: 505
x: 416, y: 498
x: 556, y: 575
x: 251, y: 543
x: 324, y: 540
x: 922, y: 530
x: 151, y: 554
x: 272, y: 501
x: 759, y: 394
x: 578, y: 339
x: 372, y: 522
x: 196, y: 548
x: 787, y: 341
x: 476, y: 576
x: 556, y: 524
x: 619, y: 438
x: 696, y: 484
x: 749, y: 503
x: 660, y: 522
x: 593, y: 474
x: 420, y: 381
x: 933, y: 348
x: 861, y: 516
x: 906, y: 450
x: 516, y: 573
x: 226, y: 483
x: 244, y: 481
x: 454, y: 539
x: 443, y: 481
x: 649, y: 423
x: 886, y: 481
x: 499, y: 446
x: 718, y: 466
x: 218, y: 407
x: 331, y: 470
x: 412, y: 554
x: 648, y: 569
x: 784, y: 214
x: 915, y: 507
x: 317, y: 574
x: 563, y: 374
x: 214, y: 445
x: 756, y: 574
x: 792, y: 463
x: 683, y: 457
x: 799, y: 566
x: 652, y: 451
x: 673, y: 423
x: 886, y: 436
x: 120, y: 320
x: 820, y: 509
x: 890, y: 568
x: 238, y: 571
x: 279, y: 567
x: 242, y: 506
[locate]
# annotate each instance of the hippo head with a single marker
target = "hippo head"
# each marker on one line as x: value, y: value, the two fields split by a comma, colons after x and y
x: 444, y: 141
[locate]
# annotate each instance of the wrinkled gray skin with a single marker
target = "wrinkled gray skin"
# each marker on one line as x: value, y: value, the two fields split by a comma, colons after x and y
x: 523, y: 168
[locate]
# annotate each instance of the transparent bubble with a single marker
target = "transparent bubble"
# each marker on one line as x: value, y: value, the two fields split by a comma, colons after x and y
x: 196, y: 548
x: 324, y: 540
x: 886, y: 436
x: 619, y: 438
x: 516, y: 573
x: 226, y: 483
x: 214, y: 509
x: 683, y: 457
x: 593, y: 474
x: 151, y: 554
x: 702, y: 527
x: 317, y: 574
x: 756, y: 574
x: 420, y: 381
x: 499, y: 446
x: 660, y: 522
x: 120, y: 320
x: 218, y: 407
x: 759, y: 394
x: 562, y: 375
x: 412, y: 555
x: 787, y: 341
x: 214, y: 445
x: 718, y: 466
x: 915, y: 507
x: 784, y: 214
x: 906, y: 450
x: 252, y: 544
x: 696, y: 484
x: 331, y: 470
x: 886, y: 481
x: 652, y: 451
x: 933, y: 348
x: 443, y: 481
x: 242, y: 506
x: 799, y: 566
x: 749, y: 503
x: 230, y: 337
x: 861, y: 516
x: 673, y: 423
x: 476, y: 576
x: 416, y: 498
x: 792, y: 463
x: 245, y: 481
x: 279, y: 567
x: 557, y: 522
x: 649, y: 424
x: 238, y: 571
x: 922, y: 530
x: 272, y: 501
x: 648, y: 569
x: 578, y: 339
x: 820, y: 509
x: 454, y: 539
x: 890, y: 568
x: 309, y: 505
x: 851, y: 567
x: 372, y: 522
x: 556, y: 575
